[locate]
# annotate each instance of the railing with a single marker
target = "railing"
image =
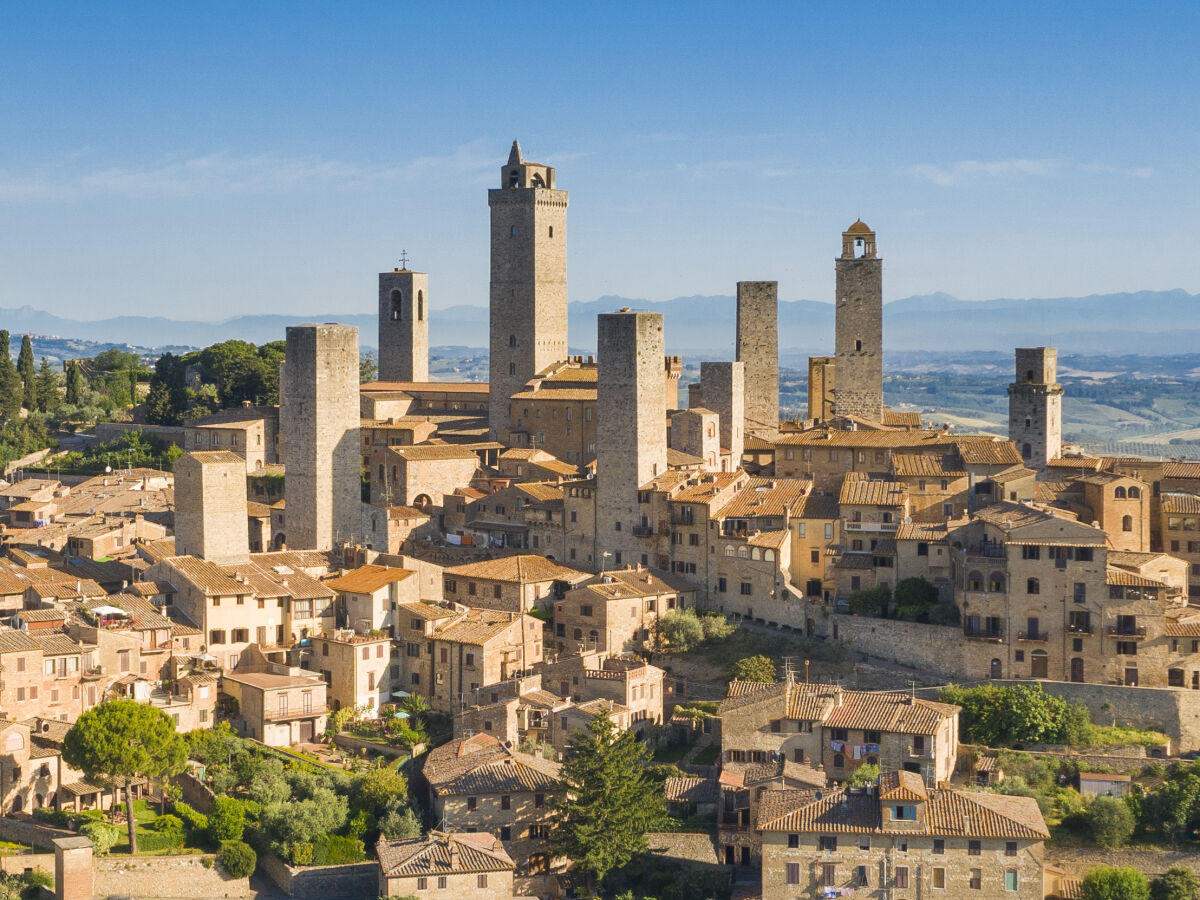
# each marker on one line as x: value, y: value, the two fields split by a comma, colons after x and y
x: 1127, y: 631
x: 985, y: 551
x: 643, y: 530
x: 1039, y: 636
x: 983, y: 634
x: 1080, y: 629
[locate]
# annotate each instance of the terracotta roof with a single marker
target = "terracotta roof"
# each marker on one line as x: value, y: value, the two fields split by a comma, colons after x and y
x: 482, y: 765
x: 621, y: 584
x: 520, y: 569
x: 426, y: 610
x: 931, y: 465
x: 216, y: 456
x: 208, y: 576
x: 817, y: 506
x: 765, y: 497
x: 1082, y: 463
x: 1012, y: 474
x: 921, y: 531
x: 902, y: 786
x: 15, y: 641
x: 550, y: 392
x: 540, y: 492
x: 680, y: 460
x: 691, y: 789
x: 1113, y: 575
x: 892, y: 419
x: 43, y: 615
x: 368, y: 579
x: 476, y: 626
x: 988, y: 451
x: 56, y: 644
x: 863, y: 492
x: 949, y: 813
x: 409, y: 387
x: 832, y: 437
x: 1178, y: 469
x: 859, y: 227
x: 420, y: 452
x: 432, y: 855
x: 1186, y: 504
x: 835, y: 707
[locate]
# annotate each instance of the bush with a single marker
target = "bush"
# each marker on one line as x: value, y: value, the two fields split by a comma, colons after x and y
x: 1107, y: 883
x: 226, y: 820
x: 102, y: 835
x: 870, y: 602
x: 753, y: 668
x: 335, y: 850
x: 863, y: 775
x: 1110, y: 822
x: 1178, y: 883
x: 150, y: 841
x: 238, y: 859
x: 301, y: 853
x: 168, y: 823
x: 194, y: 821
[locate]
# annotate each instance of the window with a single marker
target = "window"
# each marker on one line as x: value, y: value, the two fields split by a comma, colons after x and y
x: 1010, y: 848
x: 505, y: 801
x: 747, y: 589
x: 828, y: 843
x: 939, y: 878
x: 422, y: 884
x: 828, y: 874
x: 441, y: 882
x: 481, y: 881
x: 922, y: 549
x: 505, y: 833
x: 939, y: 846
x: 539, y: 801
x: 976, y: 881
x: 1033, y: 586
x: 1010, y: 879
x: 864, y: 842
x: 904, y: 813
x: 240, y: 635
x: 793, y: 873
x: 901, y: 876
x: 974, y: 848
x: 283, y: 704
x: 860, y: 877
x: 839, y: 761
x: 472, y: 804
x: 216, y: 636
x: 793, y: 842
x: 1029, y: 551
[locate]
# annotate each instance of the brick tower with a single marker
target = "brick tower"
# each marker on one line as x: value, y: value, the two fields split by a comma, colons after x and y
x: 1035, y: 407
x: 859, y: 343
x: 319, y: 403
x: 403, y: 326
x: 529, y: 280
x: 758, y: 348
x: 631, y: 444
x: 210, y: 506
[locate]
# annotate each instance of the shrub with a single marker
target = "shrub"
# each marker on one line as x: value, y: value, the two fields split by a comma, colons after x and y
x: 1110, y: 822
x: 753, y: 668
x: 870, y: 601
x: 335, y: 850
x: 195, y: 822
x: 1107, y: 883
x: 301, y: 853
x: 863, y: 775
x: 1178, y: 883
x: 42, y: 878
x: 102, y: 835
x: 150, y: 841
x: 226, y: 820
x: 238, y: 859
x: 168, y: 823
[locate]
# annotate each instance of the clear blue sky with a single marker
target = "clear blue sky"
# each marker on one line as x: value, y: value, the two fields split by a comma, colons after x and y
x: 206, y: 160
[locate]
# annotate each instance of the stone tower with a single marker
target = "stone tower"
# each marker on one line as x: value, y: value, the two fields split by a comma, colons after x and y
x: 723, y: 387
x: 403, y: 326
x: 821, y: 387
x: 758, y: 348
x: 859, y: 327
x: 528, y: 301
x: 210, y: 506
x: 631, y: 444
x: 319, y: 403
x: 1035, y: 407
x: 697, y: 432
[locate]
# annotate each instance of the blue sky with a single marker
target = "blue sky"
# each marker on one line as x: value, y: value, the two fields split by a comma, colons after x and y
x: 207, y: 160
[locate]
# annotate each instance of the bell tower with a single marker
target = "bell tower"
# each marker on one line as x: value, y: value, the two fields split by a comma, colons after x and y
x: 528, y: 300
x: 859, y: 327
x: 1035, y: 407
x: 403, y: 325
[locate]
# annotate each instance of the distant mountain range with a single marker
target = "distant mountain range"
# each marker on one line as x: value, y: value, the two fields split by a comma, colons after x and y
x: 1143, y: 323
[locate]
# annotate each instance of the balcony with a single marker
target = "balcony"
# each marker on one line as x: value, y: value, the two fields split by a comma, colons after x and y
x: 1036, y: 636
x: 881, y: 527
x: 643, y: 531
x: 984, y: 634
x: 1085, y: 628
x: 1124, y: 632
x: 985, y: 551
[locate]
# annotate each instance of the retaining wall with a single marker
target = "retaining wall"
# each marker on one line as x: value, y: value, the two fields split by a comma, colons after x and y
x: 166, y: 878
x: 351, y: 882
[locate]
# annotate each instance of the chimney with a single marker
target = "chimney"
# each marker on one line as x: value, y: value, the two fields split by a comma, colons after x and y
x: 453, y: 854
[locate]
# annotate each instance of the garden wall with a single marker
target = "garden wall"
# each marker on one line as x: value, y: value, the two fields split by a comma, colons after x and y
x: 347, y: 742
x: 17, y: 864
x: 28, y: 831
x: 166, y: 878
x: 351, y: 882
x: 196, y: 793
x: 939, y: 649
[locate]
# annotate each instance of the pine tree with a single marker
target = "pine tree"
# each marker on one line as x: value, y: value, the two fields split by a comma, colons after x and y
x: 28, y: 375
x: 47, y: 388
x: 74, y: 383
x: 608, y: 801
x: 11, y: 390
x: 167, y: 401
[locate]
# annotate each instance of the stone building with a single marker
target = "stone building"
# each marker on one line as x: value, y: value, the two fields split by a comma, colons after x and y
x: 277, y: 704
x: 1179, y: 525
x: 510, y: 583
x: 822, y: 384
x: 477, y: 784
x: 695, y: 431
x: 900, y: 839
x: 757, y: 346
x: 1035, y: 407
x: 210, y: 506
x: 445, y: 864
x: 632, y: 445
x: 859, y: 326
x: 356, y: 669
x: 252, y: 432
x: 421, y: 475
x: 617, y: 611
x: 528, y: 301
x: 368, y: 597
x: 319, y: 409
x: 403, y: 326
x: 723, y: 388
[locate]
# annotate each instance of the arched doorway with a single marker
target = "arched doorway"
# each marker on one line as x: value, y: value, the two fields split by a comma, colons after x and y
x: 1077, y: 669
x: 1039, y: 666
x: 996, y: 670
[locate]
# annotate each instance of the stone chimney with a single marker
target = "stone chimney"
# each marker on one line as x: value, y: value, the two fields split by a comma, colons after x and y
x: 72, y: 868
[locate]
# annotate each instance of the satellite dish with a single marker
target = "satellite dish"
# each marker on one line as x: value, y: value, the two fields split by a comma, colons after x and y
x: 108, y: 470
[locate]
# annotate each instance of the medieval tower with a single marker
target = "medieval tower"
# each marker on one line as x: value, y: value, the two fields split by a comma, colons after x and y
x: 319, y: 403
x: 403, y: 326
x: 1035, y: 407
x: 210, y: 506
x: 859, y: 342
x: 529, y: 280
x: 724, y: 392
x: 758, y: 347
x: 631, y: 447
x: 821, y: 388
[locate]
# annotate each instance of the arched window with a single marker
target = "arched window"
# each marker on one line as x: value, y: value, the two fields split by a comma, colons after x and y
x: 839, y: 761
x: 1029, y: 375
x: 1119, y: 493
x: 1135, y: 493
x: 755, y: 553
x: 1033, y: 586
x: 593, y: 636
x: 420, y: 306
x: 996, y: 583
x: 741, y: 553
x: 975, y: 581
x: 996, y: 669
x: 397, y: 300
x: 512, y: 340
x: 1026, y: 451
x: 769, y: 555
x: 729, y: 549
x: 578, y: 634
x: 1127, y: 523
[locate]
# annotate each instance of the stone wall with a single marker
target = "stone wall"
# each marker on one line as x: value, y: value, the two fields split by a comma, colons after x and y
x: 351, y: 882
x: 938, y: 649
x: 196, y: 793
x: 110, y: 431
x: 16, y: 865
x: 166, y: 878
x: 757, y: 346
x: 28, y: 831
x: 403, y: 326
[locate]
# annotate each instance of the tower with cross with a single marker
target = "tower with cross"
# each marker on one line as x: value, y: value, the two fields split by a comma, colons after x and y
x: 403, y: 324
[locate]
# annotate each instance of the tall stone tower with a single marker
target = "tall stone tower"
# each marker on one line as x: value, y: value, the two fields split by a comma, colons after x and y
x: 631, y: 442
x: 859, y: 341
x: 1035, y: 407
x: 821, y: 387
x: 319, y: 403
x: 403, y: 326
x: 529, y: 280
x: 758, y: 348
x: 724, y: 392
x: 210, y: 506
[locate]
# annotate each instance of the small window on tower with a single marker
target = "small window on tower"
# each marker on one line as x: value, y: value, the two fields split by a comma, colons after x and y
x: 512, y: 368
x: 512, y: 232
x: 420, y: 306
x: 512, y: 340
x: 397, y: 305
x: 551, y: 231
x: 858, y: 345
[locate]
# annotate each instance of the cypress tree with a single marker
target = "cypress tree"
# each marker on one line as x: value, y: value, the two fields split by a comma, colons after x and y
x: 11, y: 390
x: 47, y: 388
x: 28, y: 376
x: 74, y: 383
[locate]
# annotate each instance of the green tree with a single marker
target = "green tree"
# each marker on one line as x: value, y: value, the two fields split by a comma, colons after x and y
x: 74, y: 382
x: 28, y: 375
x: 608, y: 802
x: 863, y: 775
x: 1108, y: 883
x: 102, y: 835
x: 226, y: 819
x: 715, y: 626
x: 303, y: 821
x: 870, y: 601
x: 377, y: 789
x: 121, y: 740
x: 168, y: 398
x: 10, y: 382
x: 1110, y: 822
x: 238, y: 859
x: 368, y: 367
x: 47, y: 388
x: 753, y: 668
x: 680, y: 630
x: 115, y: 360
x: 1177, y: 883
